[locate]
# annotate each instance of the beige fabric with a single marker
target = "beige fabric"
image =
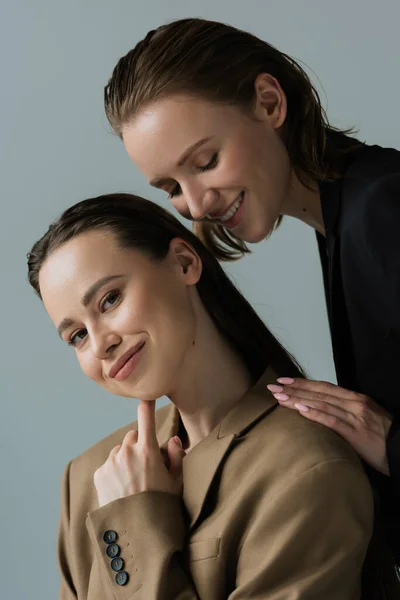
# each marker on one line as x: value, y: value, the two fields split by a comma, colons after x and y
x: 274, y: 507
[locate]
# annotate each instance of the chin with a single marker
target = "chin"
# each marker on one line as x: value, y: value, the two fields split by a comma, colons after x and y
x: 147, y: 391
x: 152, y: 383
x: 261, y: 232
x: 255, y: 237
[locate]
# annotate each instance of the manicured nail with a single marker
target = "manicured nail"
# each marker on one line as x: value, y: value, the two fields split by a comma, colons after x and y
x: 275, y: 388
x: 302, y: 407
x: 281, y: 397
x: 285, y: 380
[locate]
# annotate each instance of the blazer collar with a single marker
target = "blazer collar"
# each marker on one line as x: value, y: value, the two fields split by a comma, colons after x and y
x: 201, y: 464
x: 331, y: 191
x: 254, y: 404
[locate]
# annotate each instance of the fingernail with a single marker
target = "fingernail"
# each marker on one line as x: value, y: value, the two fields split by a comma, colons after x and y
x: 285, y: 380
x: 281, y: 397
x: 302, y: 407
x: 178, y: 441
x: 275, y: 388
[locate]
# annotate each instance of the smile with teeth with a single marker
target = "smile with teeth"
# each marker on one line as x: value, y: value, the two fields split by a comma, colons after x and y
x: 232, y: 210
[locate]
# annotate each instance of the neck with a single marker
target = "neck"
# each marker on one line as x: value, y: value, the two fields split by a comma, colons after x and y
x: 303, y: 202
x: 213, y: 379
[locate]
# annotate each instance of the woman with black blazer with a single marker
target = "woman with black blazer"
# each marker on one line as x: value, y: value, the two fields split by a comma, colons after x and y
x: 233, y: 130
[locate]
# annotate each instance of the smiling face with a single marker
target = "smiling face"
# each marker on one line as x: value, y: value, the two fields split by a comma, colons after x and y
x: 130, y: 319
x: 215, y: 161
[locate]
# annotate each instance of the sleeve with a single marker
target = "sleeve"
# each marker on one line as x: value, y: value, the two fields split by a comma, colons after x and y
x: 391, y: 496
x: 393, y: 451
x: 310, y: 541
x: 382, y: 240
x: 67, y: 590
x: 145, y: 534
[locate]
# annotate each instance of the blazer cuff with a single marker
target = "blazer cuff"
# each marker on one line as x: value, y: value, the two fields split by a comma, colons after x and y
x: 135, y: 536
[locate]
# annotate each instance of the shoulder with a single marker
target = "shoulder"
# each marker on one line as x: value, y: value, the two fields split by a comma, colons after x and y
x: 308, y: 443
x: 288, y: 462
x: 371, y: 191
x: 372, y: 163
x: 290, y: 447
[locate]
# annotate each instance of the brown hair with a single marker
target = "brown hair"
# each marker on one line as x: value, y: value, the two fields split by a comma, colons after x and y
x: 220, y: 63
x: 142, y: 225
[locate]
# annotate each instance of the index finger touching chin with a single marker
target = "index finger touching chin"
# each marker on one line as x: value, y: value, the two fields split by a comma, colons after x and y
x: 147, y: 422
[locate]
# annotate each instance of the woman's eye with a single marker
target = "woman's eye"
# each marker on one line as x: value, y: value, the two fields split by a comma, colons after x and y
x: 77, y: 337
x: 211, y: 164
x: 111, y: 299
x: 175, y: 192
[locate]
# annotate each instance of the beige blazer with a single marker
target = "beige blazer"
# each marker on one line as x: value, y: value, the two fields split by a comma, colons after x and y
x: 274, y: 507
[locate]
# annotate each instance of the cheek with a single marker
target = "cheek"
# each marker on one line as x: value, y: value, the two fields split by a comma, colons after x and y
x: 244, y: 158
x: 129, y: 317
x: 275, y: 157
x: 91, y: 367
x: 172, y: 318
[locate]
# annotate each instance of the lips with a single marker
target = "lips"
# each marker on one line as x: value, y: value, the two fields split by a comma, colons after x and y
x: 222, y: 213
x: 117, y: 366
x: 235, y: 216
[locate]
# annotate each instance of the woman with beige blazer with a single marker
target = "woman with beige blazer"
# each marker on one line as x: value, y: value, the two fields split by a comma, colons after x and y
x: 222, y: 494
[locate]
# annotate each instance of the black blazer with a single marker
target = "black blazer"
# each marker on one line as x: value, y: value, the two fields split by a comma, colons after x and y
x: 360, y: 258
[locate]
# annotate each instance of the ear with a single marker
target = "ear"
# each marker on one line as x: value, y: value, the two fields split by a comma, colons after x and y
x: 270, y: 100
x: 186, y: 260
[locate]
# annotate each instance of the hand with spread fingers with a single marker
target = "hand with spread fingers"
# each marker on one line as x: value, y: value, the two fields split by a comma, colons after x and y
x: 356, y: 417
x: 137, y: 465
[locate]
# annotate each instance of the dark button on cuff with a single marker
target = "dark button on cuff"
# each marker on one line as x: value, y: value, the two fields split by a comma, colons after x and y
x: 122, y: 578
x: 110, y: 536
x: 113, y: 550
x: 117, y: 564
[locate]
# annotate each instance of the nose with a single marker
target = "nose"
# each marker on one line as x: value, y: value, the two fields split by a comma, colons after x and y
x: 103, y: 342
x: 200, y: 201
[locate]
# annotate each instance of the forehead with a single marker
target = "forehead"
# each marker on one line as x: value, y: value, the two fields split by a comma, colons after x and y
x: 163, y: 130
x: 73, y: 267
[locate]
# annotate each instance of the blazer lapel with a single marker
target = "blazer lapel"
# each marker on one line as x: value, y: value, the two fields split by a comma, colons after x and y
x: 169, y: 427
x: 330, y: 203
x: 200, y: 466
x: 331, y: 200
x: 199, y: 469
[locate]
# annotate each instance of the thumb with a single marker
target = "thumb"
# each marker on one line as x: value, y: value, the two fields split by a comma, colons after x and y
x: 176, y: 455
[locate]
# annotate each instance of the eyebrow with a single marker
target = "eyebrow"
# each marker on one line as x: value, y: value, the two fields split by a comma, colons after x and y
x: 159, y: 181
x: 86, y: 299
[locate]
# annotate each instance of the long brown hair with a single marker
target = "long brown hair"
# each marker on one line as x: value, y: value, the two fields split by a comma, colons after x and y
x: 220, y: 63
x: 142, y: 225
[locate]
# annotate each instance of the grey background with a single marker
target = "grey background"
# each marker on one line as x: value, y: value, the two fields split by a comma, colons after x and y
x: 56, y: 149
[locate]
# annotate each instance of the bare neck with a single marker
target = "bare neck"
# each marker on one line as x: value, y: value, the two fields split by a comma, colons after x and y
x: 212, y: 380
x: 304, y: 203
